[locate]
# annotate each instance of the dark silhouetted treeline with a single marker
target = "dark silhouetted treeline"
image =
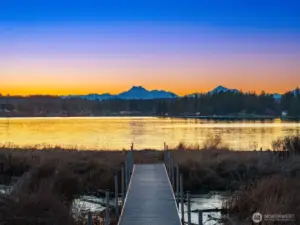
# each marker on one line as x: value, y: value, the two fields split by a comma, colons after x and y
x: 225, y: 103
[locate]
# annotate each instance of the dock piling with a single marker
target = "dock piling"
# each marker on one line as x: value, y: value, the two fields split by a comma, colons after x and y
x: 173, y: 176
x: 181, y: 198
x: 122, y: 185
x: 200, y: 217
x: 116, y: 197
x: 126, y: 176
x: 177, y: 184
x: 107, y: 209
x: 189, y: 207
x: 169, y: 162
x: 90, y: 219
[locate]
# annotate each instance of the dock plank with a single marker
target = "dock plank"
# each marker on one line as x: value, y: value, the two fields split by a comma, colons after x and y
x: 150, y: 199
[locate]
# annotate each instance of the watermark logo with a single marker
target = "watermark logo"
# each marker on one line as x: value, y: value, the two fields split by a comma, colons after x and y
x: 257, y: 217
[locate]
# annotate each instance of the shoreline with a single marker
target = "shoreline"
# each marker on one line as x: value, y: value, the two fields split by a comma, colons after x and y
x: 211, y: 117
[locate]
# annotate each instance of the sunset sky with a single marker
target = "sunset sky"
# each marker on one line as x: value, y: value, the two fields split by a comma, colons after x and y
x: 79, y: 47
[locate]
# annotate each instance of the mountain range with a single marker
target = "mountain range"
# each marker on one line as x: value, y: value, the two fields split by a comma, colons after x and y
x: 139, y: 92
x: 136, y: 92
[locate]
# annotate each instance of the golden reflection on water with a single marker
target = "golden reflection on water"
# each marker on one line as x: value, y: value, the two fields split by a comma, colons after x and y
x: 145, y: 132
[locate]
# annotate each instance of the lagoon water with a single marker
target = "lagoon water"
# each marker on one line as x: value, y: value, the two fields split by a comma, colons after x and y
x: 146, y: 132
x: 210, y: 200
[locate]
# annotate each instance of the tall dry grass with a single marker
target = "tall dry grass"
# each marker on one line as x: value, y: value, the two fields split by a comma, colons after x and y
x: 273, y: 195
x: 49, y: 179
x: 290, y: 144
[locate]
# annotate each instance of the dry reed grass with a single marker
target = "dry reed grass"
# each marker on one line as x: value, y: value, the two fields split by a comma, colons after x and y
x: 52, y: 178
x: 273, y: 195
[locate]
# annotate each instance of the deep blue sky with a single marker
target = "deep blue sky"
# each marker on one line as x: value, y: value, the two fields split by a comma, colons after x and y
x: 60, y: 46
x: 271, y: 14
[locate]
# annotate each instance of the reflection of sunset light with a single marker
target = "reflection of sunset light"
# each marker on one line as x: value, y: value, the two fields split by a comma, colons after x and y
x: 145, y: 132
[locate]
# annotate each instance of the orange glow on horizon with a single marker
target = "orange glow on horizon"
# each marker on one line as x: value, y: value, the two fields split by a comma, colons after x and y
x: 246, y: 73
x: 181, y: 90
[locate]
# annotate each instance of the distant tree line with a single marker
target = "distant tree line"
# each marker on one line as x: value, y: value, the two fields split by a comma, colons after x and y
x: 223, y: 103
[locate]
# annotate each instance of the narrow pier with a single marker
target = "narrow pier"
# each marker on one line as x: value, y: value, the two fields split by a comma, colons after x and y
x: 150, y: 199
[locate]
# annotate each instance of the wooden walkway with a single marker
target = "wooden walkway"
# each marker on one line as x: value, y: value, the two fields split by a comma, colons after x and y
x: 150, y: 199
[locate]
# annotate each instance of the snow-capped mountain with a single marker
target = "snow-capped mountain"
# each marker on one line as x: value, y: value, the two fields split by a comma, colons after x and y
x: 217, y: 90
x: 139, y: 92
x: 136, y: 92
x: 220, y: 89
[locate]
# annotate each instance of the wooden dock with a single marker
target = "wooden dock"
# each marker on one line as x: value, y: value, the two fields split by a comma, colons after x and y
x: 150, y: 199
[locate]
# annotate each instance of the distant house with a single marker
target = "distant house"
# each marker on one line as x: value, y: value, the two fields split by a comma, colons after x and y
x: 284, y: 113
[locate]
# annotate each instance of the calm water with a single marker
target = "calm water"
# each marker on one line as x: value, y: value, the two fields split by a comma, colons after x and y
x: 145, y: 132
x: 204, y: 201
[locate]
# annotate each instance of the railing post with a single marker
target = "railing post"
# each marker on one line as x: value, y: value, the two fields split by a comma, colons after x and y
x: 107, y: 209
x: 169, y: 162
x: 117, y: 197
x: 165, y: 159
x: 129, y: 164
x: 173, y: 175
x: 200, y: 217
x: 181, y: 198
x: 123, y: 185
x: 129, y: 167
x: 170, y: 172
x: 131, y: 159
x: 189, y: 207
x: 90, y: 219
x: 126, y: 175
x: 165, y: 155
x: 177, y: 185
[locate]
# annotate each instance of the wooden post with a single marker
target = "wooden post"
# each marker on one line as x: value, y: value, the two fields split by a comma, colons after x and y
x: 129, y: 164
x: 117, y: 197
x: 170, y: 172
x: 123, y: 185
x: 129, y: 167
x: 126, y: 176
x: 181, y: 198
x: 169, y: 162
x: 107, y: 209
x: 131, y: 158
x: 177, y: 185
x: 90, y: 218
x: 173, y: 176
x: 165, y: 156
x: 200, y: 217
x: 189, y: 207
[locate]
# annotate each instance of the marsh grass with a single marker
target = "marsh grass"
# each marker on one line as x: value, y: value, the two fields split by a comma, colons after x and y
x: 277, y: 194
x: 49, y: 179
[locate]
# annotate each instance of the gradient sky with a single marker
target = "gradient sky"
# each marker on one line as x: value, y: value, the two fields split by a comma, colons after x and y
x: 80, y: 47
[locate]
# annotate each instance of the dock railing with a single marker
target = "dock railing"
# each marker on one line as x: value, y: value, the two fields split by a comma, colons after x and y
x: 176, y: 179
x: 121, y: 181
